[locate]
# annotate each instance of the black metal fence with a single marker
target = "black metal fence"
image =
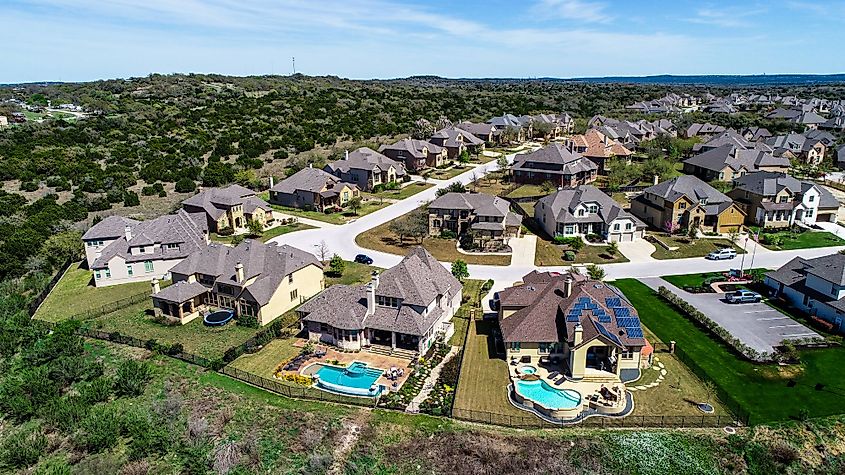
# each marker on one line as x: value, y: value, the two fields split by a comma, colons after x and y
x: 533, y: 422
x: 296, y: 392
x: 111, y: 307
x: 39, y: 299
x: 739, y: 411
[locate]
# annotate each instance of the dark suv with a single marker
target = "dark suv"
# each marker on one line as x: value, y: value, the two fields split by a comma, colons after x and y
x: 363, y: 259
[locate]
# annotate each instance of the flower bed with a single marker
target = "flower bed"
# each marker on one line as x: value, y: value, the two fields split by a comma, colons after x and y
x: 439, y: 401
x: 420, y: 370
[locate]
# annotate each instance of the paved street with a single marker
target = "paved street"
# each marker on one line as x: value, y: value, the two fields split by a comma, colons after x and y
x: 756, y: 324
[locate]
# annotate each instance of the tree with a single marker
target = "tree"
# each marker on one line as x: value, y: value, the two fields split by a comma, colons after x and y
x: 460, y: 270
x: 336, y: 266
x: 543, y: 128
x: 692, y: 233
x: 355, y: 204
x: 398, y: 227
x: 464, y: 156
x: 613, y: 248
x: 709, y: 395
x: 454, y: 187
x: 502, y: 163
x: 323, y: 251
x: 422, y: 130
x: 595, y: 272
x: 237, y: 239
x: 185, y: 185
x: 61, y: 247
x: 256, y: 229
x: 417, y: 224
x: 670, y: 226
x: 547, y: 187
x: 130, y: 198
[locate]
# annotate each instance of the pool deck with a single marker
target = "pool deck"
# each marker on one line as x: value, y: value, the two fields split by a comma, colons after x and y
x: 372, y: 360
x: 585, y: 387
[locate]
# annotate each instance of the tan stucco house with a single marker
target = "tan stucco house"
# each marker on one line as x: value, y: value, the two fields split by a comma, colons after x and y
x: 252, y: 279
x: 487, y: 218
x: 232, y: 207
x: 312, y: 188
x: 367, y: 169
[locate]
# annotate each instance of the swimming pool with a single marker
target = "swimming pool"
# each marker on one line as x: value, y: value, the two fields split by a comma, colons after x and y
x: 357, y: 379
x: 547, y: 396
x: 527, y: 369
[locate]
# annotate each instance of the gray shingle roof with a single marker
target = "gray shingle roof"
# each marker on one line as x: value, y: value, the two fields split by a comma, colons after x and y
x: 563, y: 203
x: 367, y: 159
x: 737, y: 158
x: 309, y: 179
x: 450, y: 135
x: 554, y: 158
x: 414, y: 147
x: 830, y: 268
x: 109, y: 228
x: 215, y: 201
x: 691, y: 187
x: 181, y: 291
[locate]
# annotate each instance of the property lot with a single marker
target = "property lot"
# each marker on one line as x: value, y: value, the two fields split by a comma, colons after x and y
x: 756, y: 324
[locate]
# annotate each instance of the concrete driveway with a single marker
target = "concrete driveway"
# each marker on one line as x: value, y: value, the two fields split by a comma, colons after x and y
x: 637, y: 251
x: 833, y: 228
x: 524, y: 248
x: 756, y: 324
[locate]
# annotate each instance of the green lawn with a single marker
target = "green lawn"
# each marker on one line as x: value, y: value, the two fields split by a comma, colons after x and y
x: 265, y: 361
x: 803, y: 240
x: 551, y: 254
x: 762, y: 390
x: 402, y: 193
x: 195, y: 337
x: 345, y: 216
x: 448, y: 173
x: 75, y: 293
x: 697, y: 280
x: 526, y: 191
x: 697, y: 248
x: 268, y: 234
x: 353, y: 273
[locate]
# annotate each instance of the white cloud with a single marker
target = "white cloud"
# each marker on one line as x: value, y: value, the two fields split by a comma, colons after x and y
x: 725, y: 17
x: 580, y: 10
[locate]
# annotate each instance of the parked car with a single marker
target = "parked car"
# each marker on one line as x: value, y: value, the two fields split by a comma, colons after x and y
x: 743, y: 296
x: 726, y: 253
x: 363, y: 259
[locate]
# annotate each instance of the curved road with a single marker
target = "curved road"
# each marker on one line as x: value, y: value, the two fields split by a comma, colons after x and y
x: 340, y: 240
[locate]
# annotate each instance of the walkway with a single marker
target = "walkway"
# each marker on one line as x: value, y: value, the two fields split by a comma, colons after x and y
x: 428, y: 384
x: 524, y: 249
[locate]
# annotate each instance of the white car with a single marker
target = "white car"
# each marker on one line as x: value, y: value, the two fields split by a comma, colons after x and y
x: 726, y: 253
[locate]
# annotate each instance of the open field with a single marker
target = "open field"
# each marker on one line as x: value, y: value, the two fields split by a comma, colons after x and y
x: 761, y: 390
x: 381, y: 238
x: 75, y: 293
x: 697, y: 248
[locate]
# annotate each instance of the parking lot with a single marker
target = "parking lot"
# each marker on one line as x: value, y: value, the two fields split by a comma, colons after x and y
x: 756, y: 324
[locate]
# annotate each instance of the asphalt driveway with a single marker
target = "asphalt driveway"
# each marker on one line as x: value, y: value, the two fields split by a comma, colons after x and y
x: 756, y: 324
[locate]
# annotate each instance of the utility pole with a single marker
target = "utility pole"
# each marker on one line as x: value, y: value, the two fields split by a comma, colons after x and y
x: 756, y: 238
x: 293, y: 61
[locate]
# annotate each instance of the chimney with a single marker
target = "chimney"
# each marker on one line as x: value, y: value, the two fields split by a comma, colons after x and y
x: 310, y: 165
x: 156, y: 286
x: 567, y: 287
x: 371, y: 297
x: 239, y: 272
x: 374, y: 278
x: 271, y: 181
x: 578, y: 335
x: 346, y: 157
x: 656, y: 179
x: 127, y: 231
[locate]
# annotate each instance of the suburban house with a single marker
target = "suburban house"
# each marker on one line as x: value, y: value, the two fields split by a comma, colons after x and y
x: 687, y: 201
x: 486, y: 132
x: 415, y: 154
x: 834, y: 123
x: 800, y: 146
x: 631, y: 134
x: 253, y: 279
x: 777, y: 200
x: 586, y: 210
x: 232, y: 208
x: 404, y: 309
x: 756, y: 134
x: 802, y: 116
x: 120, y: 250
x: 587, y: 327
x: 456, y: 141
x: 728, y: 137
x: 554, y: 163
x: 367, y: 169
x: 312, y: 188
x: 703, y: 130
x: 840, y: 157
x: 487, y: 218
x: 816, y: 286
x: 728, y: 162
x: 599, y: 149
x: 510, y: 128
x: 557, y: 125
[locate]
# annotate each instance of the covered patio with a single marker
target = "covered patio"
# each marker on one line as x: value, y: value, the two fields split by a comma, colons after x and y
x: 182, y: 301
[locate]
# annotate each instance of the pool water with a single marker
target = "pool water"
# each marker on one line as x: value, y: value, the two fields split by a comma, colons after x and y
x: 548, y: 396
x: 527, y: 369
x: 357, y: 379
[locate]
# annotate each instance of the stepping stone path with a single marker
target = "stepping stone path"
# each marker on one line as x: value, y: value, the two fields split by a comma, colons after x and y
x: 659, y: 366
x: 428, y: 385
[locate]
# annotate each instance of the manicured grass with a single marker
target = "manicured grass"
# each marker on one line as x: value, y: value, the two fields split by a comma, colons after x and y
x: 367, y: 207
x: 483, y: 383
x: 551, y: 254
x: 805, y: 240
x: 402, y: 193
x: 491, y: 185
x: 196, y: 338
x: 381, y: 238
x: 697, y: 280
x: 697, y: 248
x: 481, y: 159
x: 75, y: 293
x: 265, y: 361
x: 676, y: 395
x: 268, y: 234
x: 449, y: 173
x: 762, y: 390
x: 526, y: 191
x: 353, y: 273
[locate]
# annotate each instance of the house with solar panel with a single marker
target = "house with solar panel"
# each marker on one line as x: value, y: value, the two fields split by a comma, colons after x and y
x: 567, y: 324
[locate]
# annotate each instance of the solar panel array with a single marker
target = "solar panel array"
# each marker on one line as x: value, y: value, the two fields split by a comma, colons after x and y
x: 607, y: 334
x: 624, y: 318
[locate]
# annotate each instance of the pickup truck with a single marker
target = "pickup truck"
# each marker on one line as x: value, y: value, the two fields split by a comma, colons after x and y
x: 743, y: 296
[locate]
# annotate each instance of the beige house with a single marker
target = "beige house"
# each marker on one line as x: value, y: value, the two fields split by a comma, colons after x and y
x: 232, y: 208
x: 586, y: 210
x: 253, y: 279
x: 776, y: 200
x: 312, y: 188
x: 415, y: 154
x: 367, y: 169
x: 487, y: 218
x: 584, y: 327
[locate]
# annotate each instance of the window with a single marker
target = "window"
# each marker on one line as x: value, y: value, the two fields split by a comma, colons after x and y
x: 515, y: 346
x: 142, y: 250
x: 581, y: 212
x: 682, y: 205
x: 173, y: 247
x: 148, y: 266
x: 294, y: 294
x: 628, y: 226
x: 627, y: 354
x: 703, y: 201
x: 593, y: 208
x: 108, y: 273
x: 809, y: 213
x: 129, y: 270
x: 96, y: 274
x: 545, y: 347
x: 616, y: 227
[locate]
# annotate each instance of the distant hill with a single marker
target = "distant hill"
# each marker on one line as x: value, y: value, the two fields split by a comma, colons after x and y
x: 721, y: 80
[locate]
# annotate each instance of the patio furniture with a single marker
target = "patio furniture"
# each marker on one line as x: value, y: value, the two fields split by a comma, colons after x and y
x: 560, y: 380
x: 554, y: 374
x: 319, y: 353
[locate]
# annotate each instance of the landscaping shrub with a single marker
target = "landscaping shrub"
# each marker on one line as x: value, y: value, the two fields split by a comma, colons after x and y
x: 23, y: 446
x: 248, y: 321
x: 225, y: 231
x: 100, y: 430
x: 131, y: 378
x: 487, y: 285
x: 448, y: 234
x: 96, y: 390
x: 569, y: 256
x: 186, y: 185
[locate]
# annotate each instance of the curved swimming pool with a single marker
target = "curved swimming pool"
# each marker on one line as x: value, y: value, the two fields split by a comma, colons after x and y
x: 547, y: 396
x: 357, y: 379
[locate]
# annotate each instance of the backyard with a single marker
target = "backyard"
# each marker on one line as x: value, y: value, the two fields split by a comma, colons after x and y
x: 368, y: 206
x: 800, y: 239
x: 382, y: 238
x: 264, y: 362
x: 767, y: 392
x: 75, y: 294
x: 400, y: 194
x: 689, y: 248
x: 268, y: 234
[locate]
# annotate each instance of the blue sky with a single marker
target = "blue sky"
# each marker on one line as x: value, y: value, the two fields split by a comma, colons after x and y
x: 73, y: 40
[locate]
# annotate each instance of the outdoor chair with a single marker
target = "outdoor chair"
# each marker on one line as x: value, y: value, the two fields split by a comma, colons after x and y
x: 554, y: 374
